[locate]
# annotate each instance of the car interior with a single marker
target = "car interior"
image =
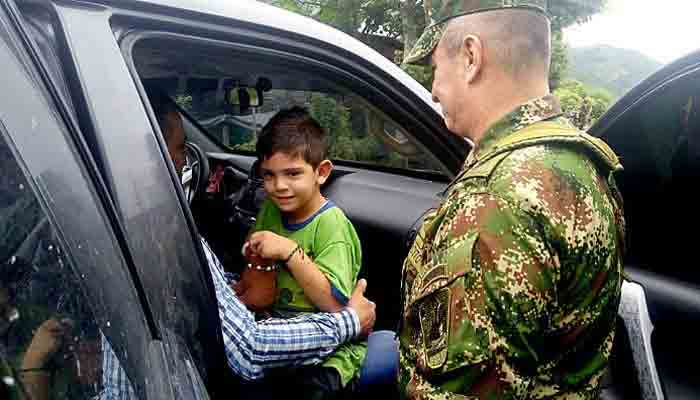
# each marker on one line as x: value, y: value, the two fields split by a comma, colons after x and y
x: 383, y: 179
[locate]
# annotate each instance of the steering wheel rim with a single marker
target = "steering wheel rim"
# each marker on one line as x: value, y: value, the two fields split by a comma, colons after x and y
x: 199, y: 165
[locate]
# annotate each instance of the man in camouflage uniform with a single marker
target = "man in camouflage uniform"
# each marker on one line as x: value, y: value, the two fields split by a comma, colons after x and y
x: 512, y: 286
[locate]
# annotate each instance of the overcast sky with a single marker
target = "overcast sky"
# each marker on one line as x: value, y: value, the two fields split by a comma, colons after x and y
x: 664, y: 30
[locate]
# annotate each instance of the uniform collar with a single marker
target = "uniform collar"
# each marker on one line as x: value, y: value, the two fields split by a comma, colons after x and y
x: 533, y: 111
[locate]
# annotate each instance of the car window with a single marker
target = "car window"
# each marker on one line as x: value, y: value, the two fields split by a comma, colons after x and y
x: 659, y: 144
x: 48, y: 331
x: 358, y: 130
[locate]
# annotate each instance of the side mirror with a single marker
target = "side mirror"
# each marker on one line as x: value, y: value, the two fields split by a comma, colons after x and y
x: 392, y: 136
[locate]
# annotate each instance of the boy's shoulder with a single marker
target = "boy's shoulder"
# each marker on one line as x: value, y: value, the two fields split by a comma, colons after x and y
x: 333, y: 222
x: 333, y: 215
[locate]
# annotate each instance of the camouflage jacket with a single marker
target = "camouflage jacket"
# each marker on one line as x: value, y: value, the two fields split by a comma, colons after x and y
x: 512, y: 286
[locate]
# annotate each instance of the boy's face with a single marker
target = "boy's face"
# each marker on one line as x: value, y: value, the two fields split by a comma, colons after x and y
x: 293, y: 184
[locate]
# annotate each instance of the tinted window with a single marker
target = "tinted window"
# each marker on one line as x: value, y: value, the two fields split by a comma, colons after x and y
x: 49, y: 331
x: 659, y: 143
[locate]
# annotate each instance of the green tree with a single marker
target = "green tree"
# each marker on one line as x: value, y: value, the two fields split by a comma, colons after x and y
x: 584, y: 105
x: 560, y: 61
x: 405, y: 20
x: 334, y: 117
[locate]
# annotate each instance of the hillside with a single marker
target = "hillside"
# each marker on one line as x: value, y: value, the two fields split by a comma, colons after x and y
x: 614, y: 69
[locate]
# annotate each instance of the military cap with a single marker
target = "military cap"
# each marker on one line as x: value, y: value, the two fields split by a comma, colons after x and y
x: 442, y: 11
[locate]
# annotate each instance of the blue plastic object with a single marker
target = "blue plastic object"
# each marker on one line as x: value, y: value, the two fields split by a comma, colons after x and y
x: 381, y: 365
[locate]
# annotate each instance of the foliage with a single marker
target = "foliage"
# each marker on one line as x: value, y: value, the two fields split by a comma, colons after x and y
x: 184, y: 101
x: 560, y: 62
x: 582, y: 104
x: 404, y: 20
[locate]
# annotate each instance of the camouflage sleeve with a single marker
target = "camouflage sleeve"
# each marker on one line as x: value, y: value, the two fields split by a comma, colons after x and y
x: 498, y: 307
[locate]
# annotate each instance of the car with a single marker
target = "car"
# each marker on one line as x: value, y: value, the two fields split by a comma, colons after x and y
x: 98, y: 227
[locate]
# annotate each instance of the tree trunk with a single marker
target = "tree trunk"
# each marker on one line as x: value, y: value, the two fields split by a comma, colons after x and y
x: 408, y: 24
x: 428, y: 7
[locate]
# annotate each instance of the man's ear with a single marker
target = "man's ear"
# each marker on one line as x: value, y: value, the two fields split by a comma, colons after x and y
x: 324, y: 171
x: 472, y: 53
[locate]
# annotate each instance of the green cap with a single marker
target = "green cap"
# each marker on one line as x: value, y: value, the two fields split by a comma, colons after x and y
x: 442, y: 11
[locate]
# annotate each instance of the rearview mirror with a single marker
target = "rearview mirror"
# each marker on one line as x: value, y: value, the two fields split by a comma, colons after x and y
x: 243, y: 97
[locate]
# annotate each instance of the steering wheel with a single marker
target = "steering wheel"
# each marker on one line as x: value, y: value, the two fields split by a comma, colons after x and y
x: 195, y: 175
x: 249, y: 199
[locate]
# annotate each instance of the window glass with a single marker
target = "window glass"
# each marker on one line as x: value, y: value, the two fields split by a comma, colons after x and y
x: 659, y: 144
x: 233, y: 97
x: 48, y: 331
x: 357, y: 131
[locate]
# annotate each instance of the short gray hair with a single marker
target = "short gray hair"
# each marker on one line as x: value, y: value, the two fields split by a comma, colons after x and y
x: 520, y: 39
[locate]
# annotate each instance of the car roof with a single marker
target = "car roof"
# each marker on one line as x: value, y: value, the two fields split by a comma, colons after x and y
x: 258, y: 13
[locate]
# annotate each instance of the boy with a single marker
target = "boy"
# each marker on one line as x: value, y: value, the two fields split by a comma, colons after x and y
x: 306, y: 241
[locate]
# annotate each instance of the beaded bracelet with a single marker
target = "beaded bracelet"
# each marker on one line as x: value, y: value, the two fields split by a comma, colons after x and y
x: 264, y: 268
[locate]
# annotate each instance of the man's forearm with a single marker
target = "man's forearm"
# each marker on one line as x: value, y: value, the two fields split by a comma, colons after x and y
x: 251, y: 346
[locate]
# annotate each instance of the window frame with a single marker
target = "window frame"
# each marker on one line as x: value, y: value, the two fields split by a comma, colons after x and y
x: 53, y: 125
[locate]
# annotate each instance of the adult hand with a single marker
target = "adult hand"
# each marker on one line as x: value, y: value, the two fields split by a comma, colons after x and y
x: 257, y: 289
x: 47, y: 340
x: 365, y: 309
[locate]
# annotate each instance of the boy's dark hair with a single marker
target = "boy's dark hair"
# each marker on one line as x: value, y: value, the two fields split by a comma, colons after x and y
x: 294, y: 132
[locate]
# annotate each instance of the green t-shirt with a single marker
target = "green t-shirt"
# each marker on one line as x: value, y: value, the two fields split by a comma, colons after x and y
x: 329, y: 238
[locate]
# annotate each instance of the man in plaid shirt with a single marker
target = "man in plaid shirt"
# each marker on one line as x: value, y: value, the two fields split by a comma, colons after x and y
x: 251, y: 347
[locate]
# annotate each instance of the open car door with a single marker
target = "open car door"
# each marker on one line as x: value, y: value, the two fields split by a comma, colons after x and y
x: 655, y: 129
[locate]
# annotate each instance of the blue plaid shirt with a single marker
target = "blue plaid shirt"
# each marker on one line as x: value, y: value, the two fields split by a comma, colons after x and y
x: 252, y: 347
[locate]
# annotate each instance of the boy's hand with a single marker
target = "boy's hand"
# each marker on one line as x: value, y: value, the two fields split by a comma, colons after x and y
x: 270, y: 246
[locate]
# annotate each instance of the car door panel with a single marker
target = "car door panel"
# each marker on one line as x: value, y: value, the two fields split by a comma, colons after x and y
x: 133, y: 163
x: 654, y: 130
x: 385, y: 209
x: 674, y: 307
x: 51, y: 159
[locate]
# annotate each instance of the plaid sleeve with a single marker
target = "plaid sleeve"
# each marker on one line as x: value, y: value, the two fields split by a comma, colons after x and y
x: 115, y: 383
x: 252, y: 346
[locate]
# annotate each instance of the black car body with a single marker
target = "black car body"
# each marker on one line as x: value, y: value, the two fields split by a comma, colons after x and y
x: 80, y: 133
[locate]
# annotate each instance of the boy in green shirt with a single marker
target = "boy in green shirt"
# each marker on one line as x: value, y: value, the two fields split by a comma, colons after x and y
x: 310, y: 237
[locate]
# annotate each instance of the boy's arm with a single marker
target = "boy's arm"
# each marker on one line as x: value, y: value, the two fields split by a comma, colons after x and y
x: 314, y: 283
x: 252, y: 347
x: 309, y: 276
